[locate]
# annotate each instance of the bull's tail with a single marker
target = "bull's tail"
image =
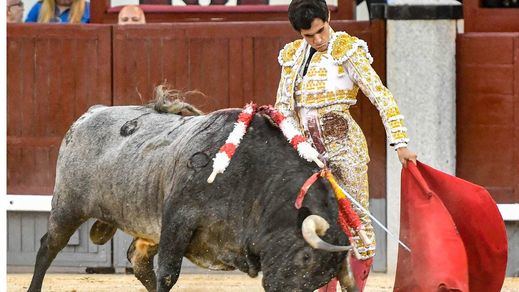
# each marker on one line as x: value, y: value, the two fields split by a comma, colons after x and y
x: 101, y: 232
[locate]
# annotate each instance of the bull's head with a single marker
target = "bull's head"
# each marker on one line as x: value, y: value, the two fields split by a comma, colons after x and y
x: 313, y: 228
x: 305, y: 265
x: 309, y: 256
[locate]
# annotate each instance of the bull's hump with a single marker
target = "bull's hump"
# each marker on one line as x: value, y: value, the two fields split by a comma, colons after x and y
x: 99, y: 109
x: 121, y: 123
x: 93, y: 110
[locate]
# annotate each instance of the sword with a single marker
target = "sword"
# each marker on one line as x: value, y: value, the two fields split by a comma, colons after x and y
x: 374, y: 219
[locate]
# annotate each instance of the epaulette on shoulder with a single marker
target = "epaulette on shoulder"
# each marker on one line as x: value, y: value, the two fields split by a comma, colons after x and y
x: 288, y: 55
x: 343, y: 46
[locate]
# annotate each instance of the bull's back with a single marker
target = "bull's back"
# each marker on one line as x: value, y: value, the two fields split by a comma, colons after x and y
x: 103, y: 130
x: 114, y: 162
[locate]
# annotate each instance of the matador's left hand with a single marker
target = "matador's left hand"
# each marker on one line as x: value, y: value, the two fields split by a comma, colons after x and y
x: 405, y: 155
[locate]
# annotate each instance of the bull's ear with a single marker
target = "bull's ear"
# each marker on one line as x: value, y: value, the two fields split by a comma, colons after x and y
x: 302, y: 213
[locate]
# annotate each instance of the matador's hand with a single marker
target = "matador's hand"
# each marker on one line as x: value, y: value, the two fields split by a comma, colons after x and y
x: 405, y: 155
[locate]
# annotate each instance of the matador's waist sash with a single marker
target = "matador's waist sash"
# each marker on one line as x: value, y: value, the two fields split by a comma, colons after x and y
x: 314, y: 131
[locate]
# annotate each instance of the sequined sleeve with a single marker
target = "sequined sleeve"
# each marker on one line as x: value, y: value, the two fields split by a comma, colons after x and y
x: 285, y: 104
x: 284, y: 99
x: 360, y: 70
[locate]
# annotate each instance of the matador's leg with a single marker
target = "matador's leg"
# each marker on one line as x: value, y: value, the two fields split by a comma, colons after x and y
x: 354, y: 180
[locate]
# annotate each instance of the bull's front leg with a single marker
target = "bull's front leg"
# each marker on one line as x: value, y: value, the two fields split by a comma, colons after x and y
x: 177, y: 229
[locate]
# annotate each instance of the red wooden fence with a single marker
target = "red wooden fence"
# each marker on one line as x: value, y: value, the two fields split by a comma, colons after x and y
x: 53, y: 76
x: 488, y: 112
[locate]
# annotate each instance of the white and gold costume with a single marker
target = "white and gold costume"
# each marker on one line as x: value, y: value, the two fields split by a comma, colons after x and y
x: 319, y: 103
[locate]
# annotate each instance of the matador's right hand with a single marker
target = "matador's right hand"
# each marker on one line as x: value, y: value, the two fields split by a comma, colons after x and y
x: 405, y: 155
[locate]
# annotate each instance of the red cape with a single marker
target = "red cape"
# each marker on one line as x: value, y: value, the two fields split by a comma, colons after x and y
x: 455, y: 231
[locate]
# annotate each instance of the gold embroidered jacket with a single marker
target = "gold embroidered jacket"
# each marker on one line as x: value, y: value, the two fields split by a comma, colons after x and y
x: 331, y: 85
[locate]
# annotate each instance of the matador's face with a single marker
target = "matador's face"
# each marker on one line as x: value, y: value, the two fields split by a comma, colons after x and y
x: 318, y: 35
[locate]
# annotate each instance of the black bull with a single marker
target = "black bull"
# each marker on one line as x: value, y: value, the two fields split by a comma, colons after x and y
x: 145, y: 173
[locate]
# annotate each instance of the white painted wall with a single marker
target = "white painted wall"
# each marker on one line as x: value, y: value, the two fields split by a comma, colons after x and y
x: 286, y: 2
x: 123, y: 2
x: 423, y: 80
x: 175, y: 2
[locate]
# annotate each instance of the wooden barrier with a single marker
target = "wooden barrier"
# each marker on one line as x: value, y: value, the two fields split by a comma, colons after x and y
x: 488, y: 112
x: 53, y: 75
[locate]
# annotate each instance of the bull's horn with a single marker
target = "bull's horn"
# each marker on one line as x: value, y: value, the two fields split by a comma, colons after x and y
x: 315, y: 226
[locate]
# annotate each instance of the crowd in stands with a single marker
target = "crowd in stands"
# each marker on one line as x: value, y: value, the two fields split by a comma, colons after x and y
x: 78, y: 11
x: 60, y: 11
x: 67, y: 11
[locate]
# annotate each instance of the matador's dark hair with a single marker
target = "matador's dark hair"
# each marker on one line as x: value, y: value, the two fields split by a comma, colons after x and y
x: 301, y: 13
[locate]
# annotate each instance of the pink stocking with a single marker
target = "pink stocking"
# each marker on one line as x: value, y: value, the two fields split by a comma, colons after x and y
x: 360, y: 270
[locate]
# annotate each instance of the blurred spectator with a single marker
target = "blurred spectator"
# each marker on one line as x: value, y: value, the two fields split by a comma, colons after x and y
x: 64, y: 11
x: 131, y: 14
x: 14, y: 11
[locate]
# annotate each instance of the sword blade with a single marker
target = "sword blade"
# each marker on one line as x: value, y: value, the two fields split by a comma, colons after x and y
x: 350, y: 197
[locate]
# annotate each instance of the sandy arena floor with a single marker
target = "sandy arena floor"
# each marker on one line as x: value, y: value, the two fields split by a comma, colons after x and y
x: 187, y: 283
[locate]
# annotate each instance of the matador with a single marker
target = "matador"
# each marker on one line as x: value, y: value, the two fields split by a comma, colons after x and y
x: 321, y: 75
